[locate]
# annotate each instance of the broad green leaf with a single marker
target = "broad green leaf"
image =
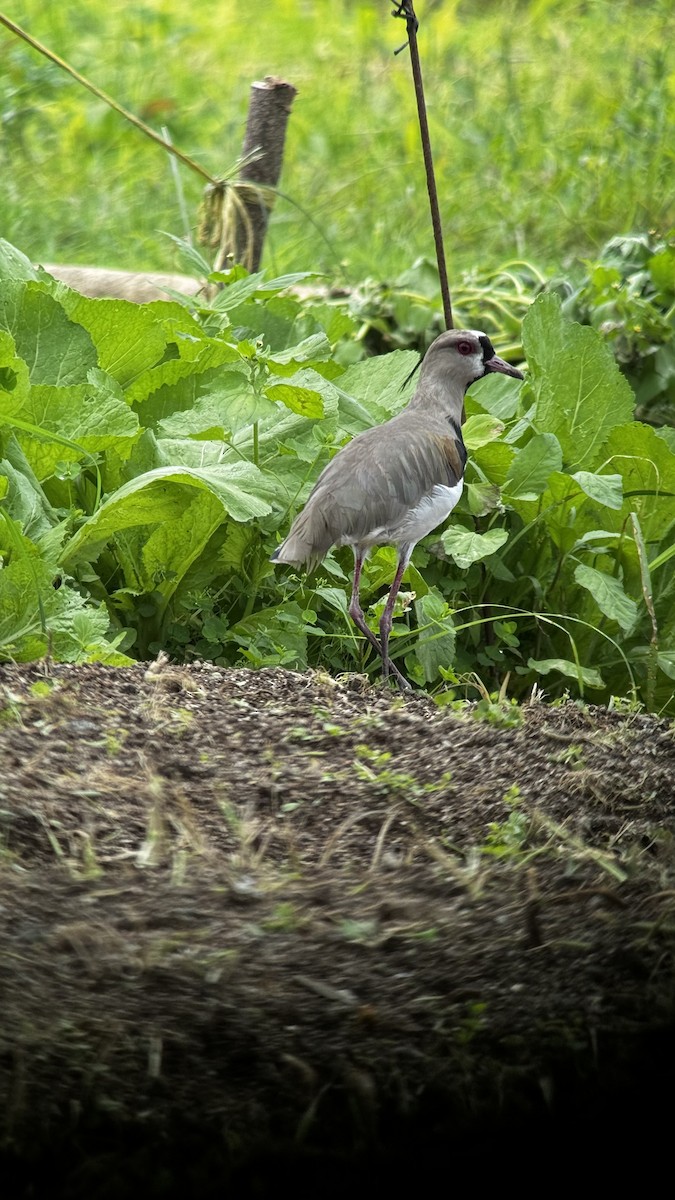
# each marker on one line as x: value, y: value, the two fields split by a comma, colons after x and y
x: 494, y: 461
x: 230, y: 406
x: 532, y: 467
x: 86, y: 415
x: 270, y: 484
x: 562, y: 510
x: 305, y: 401
x: 382, y: 384
x: 666, y: 662
x: 231, y: 554
x: 24, y: 499
x: 311, y: 349
x: 128, y: 337
x: 14, y: 381
x: 497, y: 394
x: 482, y: 498
x: 166, y: 552
x: 336, y: 599
x: 581, y: 393
x: 466, y: 547
x: 481, y: 429
x: 308, y: 381
x: 647, y: 466
x: 609, y: 595
x: 588, y: 675
x: 56, y: 350
x: 435, y: 645
x: 606, y: 489
x: 161, y: 495
x: 14, y: 266
x: 544, y: 333
x: 180, y: 380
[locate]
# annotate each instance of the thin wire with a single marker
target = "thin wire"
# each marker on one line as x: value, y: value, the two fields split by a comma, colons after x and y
x: 91, y: 87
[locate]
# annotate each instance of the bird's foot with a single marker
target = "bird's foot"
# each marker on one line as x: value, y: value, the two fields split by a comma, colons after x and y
x: 390, y: 668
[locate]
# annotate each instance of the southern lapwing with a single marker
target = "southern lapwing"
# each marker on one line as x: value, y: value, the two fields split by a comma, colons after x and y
x: 396, y: 482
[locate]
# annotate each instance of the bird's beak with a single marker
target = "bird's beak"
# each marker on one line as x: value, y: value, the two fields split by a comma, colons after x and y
x: 499, y: 364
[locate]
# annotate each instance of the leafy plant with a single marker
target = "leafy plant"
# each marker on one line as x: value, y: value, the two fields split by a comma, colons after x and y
x: 152, y: 457
x: 628, y: 294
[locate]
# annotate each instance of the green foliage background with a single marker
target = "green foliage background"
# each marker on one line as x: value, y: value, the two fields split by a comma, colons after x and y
x: 552, y: 122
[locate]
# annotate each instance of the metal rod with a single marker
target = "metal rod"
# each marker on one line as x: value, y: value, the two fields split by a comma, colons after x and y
x: 404, y: 9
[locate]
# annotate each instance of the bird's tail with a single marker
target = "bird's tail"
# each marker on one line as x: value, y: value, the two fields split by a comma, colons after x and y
x: 305, y: 544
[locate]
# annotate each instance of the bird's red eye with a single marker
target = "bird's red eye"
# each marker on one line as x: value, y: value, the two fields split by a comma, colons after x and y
x: 465, y: 348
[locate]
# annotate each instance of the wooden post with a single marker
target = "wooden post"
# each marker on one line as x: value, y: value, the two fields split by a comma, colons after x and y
x: 247, y: 209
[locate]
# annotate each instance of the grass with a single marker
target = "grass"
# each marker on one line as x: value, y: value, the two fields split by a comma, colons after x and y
x: 551, y: 122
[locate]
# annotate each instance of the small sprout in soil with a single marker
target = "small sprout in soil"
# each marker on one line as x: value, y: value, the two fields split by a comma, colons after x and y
x: 572, y: 756
x: 358, y: 931
x: 283, y: 919
x: 472, y: 1023
x: 41, y: 689
x: 505, y: 714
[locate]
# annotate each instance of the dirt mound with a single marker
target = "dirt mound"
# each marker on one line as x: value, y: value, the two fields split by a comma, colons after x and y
x: 257, y: 921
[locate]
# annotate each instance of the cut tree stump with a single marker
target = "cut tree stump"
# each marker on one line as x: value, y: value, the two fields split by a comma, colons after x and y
x: 247, y: 209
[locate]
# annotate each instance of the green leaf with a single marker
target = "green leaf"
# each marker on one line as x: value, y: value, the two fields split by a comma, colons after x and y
x: 494, y: 461
x: 128, y: 337
x: 25, y: 500
x: 666, y: 662
x: 581, y: 393
x: 435, y: 645
x: 589, y: 676
x: 231, y: 405
x: 179, y: 380
x: 14, y: 381
x: 497, y: 394
x: 661, y: 267
x: 482, y: 498
x: 305, y: 401
x: 481, y: 429
x: 88, y: 416
x: 161, y: 495
x: 466, y: 547
x: 311, y: 349
x: 606, y: 489
x: 14, y: 266
x: 608, y: 595
x: 382, y: 384
x: 56, y: 350
x: 647, y: 465
x: 532, y: 467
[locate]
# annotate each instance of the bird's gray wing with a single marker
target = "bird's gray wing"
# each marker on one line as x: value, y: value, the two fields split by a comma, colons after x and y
x: 381, y: 474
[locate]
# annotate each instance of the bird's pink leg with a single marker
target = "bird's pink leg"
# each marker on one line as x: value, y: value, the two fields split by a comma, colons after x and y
x: 387, y: 618
x: 357, y: 615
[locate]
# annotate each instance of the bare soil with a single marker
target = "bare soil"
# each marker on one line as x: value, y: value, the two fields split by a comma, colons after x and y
x: 261, y: 926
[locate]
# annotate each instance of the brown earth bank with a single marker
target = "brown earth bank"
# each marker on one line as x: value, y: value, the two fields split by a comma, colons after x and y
x: 268, y: 929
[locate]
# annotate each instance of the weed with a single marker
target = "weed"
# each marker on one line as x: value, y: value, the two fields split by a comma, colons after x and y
x: 572, y: 756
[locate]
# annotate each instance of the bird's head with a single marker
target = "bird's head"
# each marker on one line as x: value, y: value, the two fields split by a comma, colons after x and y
x: 459, y: 357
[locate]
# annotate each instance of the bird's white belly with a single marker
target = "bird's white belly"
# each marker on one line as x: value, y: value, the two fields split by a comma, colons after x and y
x: 417, y: 522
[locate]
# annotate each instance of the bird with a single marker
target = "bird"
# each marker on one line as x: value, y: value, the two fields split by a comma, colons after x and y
x: 392, y: 484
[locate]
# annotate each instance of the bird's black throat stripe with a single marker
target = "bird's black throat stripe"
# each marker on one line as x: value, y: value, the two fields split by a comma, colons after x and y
x: 488, y: 348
